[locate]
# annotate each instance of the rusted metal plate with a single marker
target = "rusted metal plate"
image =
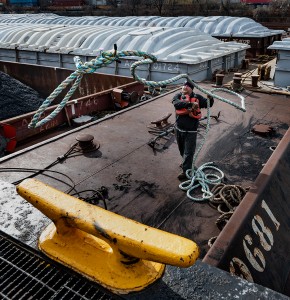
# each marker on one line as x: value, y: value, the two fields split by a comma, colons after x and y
x: 93, y: 95
x: 263, y: 129
x: 46, y: 79
x: 255, y: 242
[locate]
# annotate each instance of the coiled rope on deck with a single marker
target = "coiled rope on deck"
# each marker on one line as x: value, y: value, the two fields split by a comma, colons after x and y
x: 225, y: 199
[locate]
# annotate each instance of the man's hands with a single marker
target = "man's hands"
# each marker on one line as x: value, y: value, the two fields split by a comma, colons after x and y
x: 194, y: 106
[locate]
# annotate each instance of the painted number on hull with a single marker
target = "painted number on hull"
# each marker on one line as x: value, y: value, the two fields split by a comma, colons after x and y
x: 158, y: 66
x: 248, y: 42
x: 255, y: 255
x: 165, y: 67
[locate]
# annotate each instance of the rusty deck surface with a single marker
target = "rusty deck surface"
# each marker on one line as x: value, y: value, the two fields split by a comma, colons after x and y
x: 152, y: 196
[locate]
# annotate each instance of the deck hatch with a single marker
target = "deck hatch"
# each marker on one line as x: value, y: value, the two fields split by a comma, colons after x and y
x: 26, y: 275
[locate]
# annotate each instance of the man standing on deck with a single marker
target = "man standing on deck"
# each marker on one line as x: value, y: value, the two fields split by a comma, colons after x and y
x: 187, y: 106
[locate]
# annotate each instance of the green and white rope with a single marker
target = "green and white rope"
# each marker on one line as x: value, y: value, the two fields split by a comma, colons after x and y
x: 185, y: 76
x: 198, y: 179
x: 106, y: 57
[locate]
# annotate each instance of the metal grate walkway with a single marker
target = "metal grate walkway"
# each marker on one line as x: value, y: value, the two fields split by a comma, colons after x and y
x: 25, y: 275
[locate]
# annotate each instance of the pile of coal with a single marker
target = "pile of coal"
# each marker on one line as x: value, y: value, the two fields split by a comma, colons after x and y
x: 16, y: 98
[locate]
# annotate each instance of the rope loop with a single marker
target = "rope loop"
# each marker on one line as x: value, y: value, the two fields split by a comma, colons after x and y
x: 225, y: 198
x: 201, y: 179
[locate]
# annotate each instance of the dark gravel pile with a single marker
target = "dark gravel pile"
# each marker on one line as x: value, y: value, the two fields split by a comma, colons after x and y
x: 16, y: 98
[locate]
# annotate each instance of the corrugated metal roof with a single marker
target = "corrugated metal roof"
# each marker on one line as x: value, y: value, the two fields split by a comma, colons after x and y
x: 282, y: 69
x: 215, y: 25
x: 281, y: 45
x: 192, y: 47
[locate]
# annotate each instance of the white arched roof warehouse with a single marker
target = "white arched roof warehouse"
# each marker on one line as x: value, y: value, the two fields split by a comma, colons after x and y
x: 215, y: 25
x: 178, y: 50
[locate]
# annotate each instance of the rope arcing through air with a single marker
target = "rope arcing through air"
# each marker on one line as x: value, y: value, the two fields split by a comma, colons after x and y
x: 107, y: 57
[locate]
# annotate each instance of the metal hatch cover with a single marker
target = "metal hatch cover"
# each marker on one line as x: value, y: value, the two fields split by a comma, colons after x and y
x: 25, y: 274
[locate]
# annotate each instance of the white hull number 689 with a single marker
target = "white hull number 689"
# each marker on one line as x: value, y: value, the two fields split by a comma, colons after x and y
x: 255, y: 255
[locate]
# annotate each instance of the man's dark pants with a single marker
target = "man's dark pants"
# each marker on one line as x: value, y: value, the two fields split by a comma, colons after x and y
x: 186, y: 142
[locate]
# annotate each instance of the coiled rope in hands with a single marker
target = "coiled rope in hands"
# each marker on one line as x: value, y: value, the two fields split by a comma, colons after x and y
x: 197, y: 178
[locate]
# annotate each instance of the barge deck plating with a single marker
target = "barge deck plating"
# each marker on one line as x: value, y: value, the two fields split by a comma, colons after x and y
x: 150, y: 192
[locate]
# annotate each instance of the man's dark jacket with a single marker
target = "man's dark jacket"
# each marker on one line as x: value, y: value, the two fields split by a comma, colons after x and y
x: 185, y: 122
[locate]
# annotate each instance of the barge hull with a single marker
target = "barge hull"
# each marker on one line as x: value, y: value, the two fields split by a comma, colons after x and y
x: 255, y: 242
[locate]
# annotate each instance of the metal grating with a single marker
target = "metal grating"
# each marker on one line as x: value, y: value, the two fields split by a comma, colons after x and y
x: 25, y: 275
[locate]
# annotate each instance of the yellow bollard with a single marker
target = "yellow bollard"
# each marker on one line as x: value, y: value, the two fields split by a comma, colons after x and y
x: 120, y: 254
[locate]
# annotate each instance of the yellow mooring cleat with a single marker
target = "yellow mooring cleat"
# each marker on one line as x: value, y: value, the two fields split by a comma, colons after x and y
x: 120, y: 254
